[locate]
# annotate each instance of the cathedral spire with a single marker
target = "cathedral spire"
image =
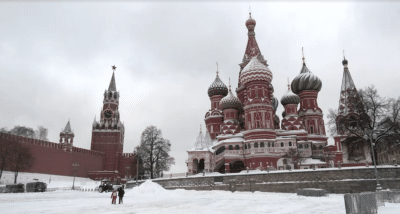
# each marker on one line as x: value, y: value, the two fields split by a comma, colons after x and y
x: 113, y: 86
x: 348, y: 92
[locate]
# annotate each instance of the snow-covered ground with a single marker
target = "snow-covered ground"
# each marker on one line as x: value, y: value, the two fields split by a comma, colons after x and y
x: 52, y: 181
x: 152, y: 198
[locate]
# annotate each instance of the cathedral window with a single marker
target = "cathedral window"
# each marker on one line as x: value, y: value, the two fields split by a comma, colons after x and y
x: 245, y: 146
x: 290, y: 143
x: 256, y: 93
x: 314, y: 147
x: 282, y: 144
x: 269, y: 144
x: 311, y: 130
x: 321, y: 147
x: 230, y: 147
x: 300, y: 146
x: 237, y: 147
x: 249, y: 146
x: 255, y: 145
x: 273, y: 144
x: 306, y: 146
x: 262, y: 144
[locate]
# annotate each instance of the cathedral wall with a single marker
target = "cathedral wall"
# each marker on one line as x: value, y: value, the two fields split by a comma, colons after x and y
x: 50, y: 158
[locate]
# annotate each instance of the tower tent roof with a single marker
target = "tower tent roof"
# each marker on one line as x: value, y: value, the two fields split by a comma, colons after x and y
x: 113, y: 86
x: 67, y: 128
x: 348, y: 93
x: 252, y: 49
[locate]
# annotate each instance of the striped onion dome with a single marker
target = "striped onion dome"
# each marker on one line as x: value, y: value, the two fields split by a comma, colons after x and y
x: 306, y: 81
x: 255, y: 71
x: 290, y: 98
x: 230, y: 102
x: 275, y: 103
x: 217, y: 88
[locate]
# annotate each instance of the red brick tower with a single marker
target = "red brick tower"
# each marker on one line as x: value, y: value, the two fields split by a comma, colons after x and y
x: 67, y: 138
x: 108, y: 133
x: 307, y: 85
x: 258, y: 110
x: 214, y: 117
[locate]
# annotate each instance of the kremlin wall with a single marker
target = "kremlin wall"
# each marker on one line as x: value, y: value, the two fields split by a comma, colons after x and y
x: 105, y: 159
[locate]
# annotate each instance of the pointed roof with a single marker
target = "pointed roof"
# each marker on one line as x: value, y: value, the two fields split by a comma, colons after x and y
x: 113, y: 86
x: 348, y: 92
x: 67, y: 127
x: 252, y: 49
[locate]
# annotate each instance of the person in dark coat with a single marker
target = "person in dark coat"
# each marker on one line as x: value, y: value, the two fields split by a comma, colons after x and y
x: 121, y: 193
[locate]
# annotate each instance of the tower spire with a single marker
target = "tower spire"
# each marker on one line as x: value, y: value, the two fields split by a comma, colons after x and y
x: 229, y: 83
x: 113, y: 86
x: 249, y: 12
x: 217, y: 69
x: 302, y: 51
x: 288, y: 86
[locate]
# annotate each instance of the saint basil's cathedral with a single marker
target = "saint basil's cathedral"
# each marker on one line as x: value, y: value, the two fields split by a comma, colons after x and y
x: 244, y: 131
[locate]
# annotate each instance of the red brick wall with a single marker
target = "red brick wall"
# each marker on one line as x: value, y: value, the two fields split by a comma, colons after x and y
x: 125, y: 160
x: 50, y: 158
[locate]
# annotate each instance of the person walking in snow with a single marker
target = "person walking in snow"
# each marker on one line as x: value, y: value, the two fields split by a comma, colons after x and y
x: 121, y: 193
x: 114, y: 197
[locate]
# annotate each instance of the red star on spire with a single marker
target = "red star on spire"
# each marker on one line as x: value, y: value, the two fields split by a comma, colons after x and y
x: 113, y: 67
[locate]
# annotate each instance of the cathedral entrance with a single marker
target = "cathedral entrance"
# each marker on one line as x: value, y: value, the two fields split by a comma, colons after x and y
x: 200, y: 167
x: 237, y: 166
x: 195, y: 166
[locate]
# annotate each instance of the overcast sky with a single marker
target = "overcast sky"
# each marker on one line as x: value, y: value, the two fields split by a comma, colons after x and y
x: 56, y: 58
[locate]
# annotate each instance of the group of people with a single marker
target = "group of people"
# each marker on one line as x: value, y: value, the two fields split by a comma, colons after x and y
x: 120, y: 194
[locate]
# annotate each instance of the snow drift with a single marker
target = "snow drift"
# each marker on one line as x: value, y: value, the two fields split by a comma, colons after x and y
x: 148, y: 188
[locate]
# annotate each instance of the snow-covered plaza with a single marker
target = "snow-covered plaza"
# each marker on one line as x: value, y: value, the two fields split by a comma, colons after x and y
x: 152, y: 198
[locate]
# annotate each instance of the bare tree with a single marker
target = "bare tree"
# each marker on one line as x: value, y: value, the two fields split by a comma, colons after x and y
x: 41, y: 133
x: 23, y: 131
x: 21, y: 159
x: 153, y: 151
x: 372, y: 117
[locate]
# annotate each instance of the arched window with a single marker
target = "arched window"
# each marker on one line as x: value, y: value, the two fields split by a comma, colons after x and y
x: 300, y: 146
x: 273, y: 144
x: 262, y: 144
x: 306, y: 146
x: 255, y: 145
x: 321, y: 147
x: 245, y: 146
x: 249, y: 146
x: 230, y: 147
x: 237, y: 147
x: 290, y: 143
x: 269, y: 144
x: 314, y: 147
x: 281, y: 144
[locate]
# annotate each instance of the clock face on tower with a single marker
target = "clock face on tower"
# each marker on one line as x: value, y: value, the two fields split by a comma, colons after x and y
x: 108, y: 114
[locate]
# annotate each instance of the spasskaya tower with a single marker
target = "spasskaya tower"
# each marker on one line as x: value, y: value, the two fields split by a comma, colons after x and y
x: 108, y: 133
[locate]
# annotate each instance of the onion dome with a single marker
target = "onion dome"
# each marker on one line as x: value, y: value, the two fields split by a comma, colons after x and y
x: 250, y: 21
x: 275, y: 103
x: 230, y: 102
x: 255, y: 70
x: 217, y: 88
x: 306, y: 81
x: 290, y: 98
x: 345, y: 62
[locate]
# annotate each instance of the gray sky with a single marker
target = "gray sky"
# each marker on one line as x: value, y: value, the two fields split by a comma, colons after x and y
x: 56, y: 58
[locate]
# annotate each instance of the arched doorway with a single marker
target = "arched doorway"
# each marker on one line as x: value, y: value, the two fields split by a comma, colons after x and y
x: 221, y: 169
x: 200, y: 167
x: 195, y: 165
x: 237, y: 166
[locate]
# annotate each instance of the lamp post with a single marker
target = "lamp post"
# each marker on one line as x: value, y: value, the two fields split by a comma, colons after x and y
x: 127, y: 172
x: 378, y: 186
x: 75, y: 166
